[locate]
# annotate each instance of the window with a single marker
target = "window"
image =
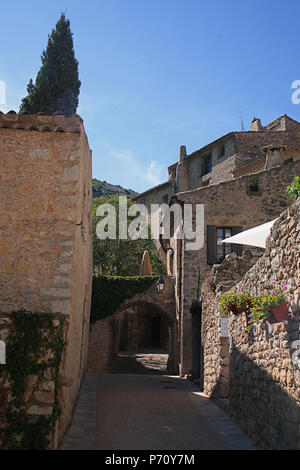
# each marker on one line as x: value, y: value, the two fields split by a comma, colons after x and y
x: 165, y: 199
x: 206, y: 165
x: 216, y: 250
x: 254, y: 187
x: 221, y: 152
x: 223, y: 249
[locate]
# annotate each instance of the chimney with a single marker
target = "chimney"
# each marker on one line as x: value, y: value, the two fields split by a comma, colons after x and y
x: 182, y: 153
x: 274, y: 155
x: 256, y: 125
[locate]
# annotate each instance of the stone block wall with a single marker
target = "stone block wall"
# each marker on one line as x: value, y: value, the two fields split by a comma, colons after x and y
x: 264, y: 363
x: 45, y: 226
x: 102, y: 345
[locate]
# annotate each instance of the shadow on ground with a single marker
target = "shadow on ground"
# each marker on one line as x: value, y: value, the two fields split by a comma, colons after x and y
x: 140, y: 362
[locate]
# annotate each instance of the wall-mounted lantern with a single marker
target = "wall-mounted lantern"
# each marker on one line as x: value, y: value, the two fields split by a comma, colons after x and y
x: 160, y: 284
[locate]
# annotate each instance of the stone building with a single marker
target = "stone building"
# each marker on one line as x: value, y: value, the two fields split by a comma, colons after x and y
x: 241, y: 179
x: 46, y: 242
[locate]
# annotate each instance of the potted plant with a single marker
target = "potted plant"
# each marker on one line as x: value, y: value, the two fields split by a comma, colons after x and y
x: 278, y: 303
x: 278, y: 314
x: 232, y: 302
x: 271, y: 306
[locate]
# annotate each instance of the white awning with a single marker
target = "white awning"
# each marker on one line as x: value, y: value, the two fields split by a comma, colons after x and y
x: 255, y: 236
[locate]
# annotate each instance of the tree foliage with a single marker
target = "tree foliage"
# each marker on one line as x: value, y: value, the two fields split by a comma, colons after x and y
x: 121, y: 257
x: 57, y: 85
x: 293, y: 189
x: 110, y: 291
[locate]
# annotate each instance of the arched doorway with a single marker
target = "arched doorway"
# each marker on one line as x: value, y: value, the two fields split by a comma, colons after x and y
x: 150, y: 319
x: 142, y: 340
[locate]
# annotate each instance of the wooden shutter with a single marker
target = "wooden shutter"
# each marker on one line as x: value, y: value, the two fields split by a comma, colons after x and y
x: 211, y: 244
x: 238, y: 249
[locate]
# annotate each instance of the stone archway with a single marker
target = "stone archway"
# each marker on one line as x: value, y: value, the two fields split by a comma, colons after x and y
x: 103, y: 340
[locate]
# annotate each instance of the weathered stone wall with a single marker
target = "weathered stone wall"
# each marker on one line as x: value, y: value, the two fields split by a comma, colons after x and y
x: 45, y: 225
x: 228, y: 204
x: 249, y: 144
x: 101, y: 345
x: 222, y: 165
x: 41, y: 387
x: 215, y: 342
x: 264, y: 364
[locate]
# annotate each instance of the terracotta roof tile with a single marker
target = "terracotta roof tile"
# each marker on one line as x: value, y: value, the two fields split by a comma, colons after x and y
x: 57, y: 122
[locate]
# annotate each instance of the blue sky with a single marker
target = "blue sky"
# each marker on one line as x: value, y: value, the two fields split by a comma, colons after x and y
x: 162, y: 73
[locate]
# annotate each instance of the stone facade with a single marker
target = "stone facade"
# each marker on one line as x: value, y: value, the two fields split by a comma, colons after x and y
x: 255, y: 375
x: 46, y: 240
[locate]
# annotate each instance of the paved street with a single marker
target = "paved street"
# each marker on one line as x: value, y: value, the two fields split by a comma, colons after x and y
x: 148, y: 411
x: 140, y: 362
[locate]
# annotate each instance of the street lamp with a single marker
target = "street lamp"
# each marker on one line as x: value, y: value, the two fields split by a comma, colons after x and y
x: 160, y: 284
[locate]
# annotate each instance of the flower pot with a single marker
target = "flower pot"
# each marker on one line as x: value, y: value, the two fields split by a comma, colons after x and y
x: 278, y: 314
x: 236, y: 310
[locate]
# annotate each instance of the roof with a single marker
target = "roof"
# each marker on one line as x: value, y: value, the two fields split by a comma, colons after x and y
x: 235, y: 133
x: 253, y: 167
x: 57, y: 122
x: 277, y: 119
x: 220, y: 140
x: 154, y: 188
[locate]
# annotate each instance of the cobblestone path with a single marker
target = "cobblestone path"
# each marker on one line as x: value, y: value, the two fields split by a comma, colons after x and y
x: 148, y: 410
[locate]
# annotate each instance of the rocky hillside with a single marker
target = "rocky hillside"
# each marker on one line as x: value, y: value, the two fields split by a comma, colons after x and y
x: 102, y: 188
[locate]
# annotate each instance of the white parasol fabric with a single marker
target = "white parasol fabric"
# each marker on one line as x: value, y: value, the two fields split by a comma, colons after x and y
x: 255, y: 236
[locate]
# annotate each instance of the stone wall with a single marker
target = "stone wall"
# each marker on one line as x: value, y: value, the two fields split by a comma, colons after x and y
x: 261, y: 391
x: 102, y: 345
x: 45, y: 224
x: 215, y: 358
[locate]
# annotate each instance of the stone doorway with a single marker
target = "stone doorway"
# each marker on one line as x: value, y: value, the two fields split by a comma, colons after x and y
x: 144, y: 324
x: 142, y: 337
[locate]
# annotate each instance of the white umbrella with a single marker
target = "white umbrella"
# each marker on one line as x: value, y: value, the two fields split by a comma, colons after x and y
x: 255, y: 236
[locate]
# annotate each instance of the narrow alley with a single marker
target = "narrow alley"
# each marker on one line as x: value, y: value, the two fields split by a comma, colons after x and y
x: 142, y: 408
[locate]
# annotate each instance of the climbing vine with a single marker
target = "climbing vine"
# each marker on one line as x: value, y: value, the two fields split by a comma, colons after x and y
x: 35, y: 344
x: 110, y: 291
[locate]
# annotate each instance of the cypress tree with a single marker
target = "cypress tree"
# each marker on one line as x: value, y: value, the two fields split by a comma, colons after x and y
x: 57, y: 84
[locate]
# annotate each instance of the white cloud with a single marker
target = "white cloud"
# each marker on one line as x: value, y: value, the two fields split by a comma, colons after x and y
x: 132, y: 172
x: 154, y: 173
